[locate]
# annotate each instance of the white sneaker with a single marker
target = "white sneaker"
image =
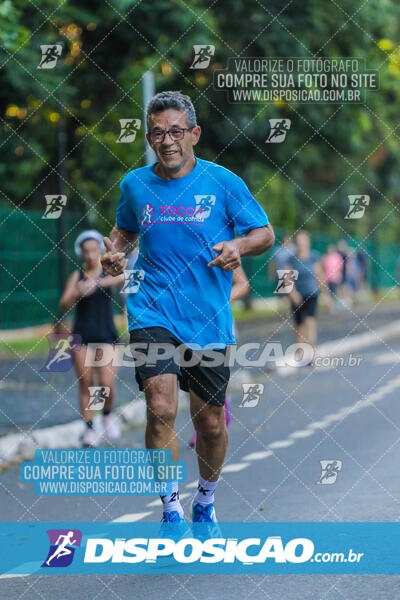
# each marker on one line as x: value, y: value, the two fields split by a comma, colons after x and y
x: 89, y: 438
x: 112, y: 428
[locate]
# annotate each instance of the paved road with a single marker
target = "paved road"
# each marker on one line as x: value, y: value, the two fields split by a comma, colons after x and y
x: 349, y: 414
x: 33, y: 399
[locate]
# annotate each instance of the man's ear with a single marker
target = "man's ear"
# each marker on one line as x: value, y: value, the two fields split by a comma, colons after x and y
x: 149, y: 140
x: 196, y: 133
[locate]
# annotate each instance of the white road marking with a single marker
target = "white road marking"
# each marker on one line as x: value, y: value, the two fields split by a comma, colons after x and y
x: 316, y: 425
x: 344, y: 412
x: 281, y: 444
x: 258, y: 455
x: 302, y: 433
x: 386, y: 358
x: 234, y: 467
x: 131, y: 517
x: 192, y: 484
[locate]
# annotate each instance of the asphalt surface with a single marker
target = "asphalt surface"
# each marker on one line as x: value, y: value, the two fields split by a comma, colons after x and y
x: 32, y: 399
x: 282, y: 486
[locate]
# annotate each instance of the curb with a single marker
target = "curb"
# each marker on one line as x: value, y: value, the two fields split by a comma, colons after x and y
x: 17, y: 447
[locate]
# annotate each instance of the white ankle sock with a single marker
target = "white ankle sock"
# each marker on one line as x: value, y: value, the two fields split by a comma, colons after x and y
x: 205, y: 491
x: 171, y: 501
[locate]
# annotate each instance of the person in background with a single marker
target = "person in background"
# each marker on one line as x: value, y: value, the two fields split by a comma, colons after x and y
x: 240, y: 288
x: 363, y: 267
x: 344, y: 287
x: 90, y: 290
x: 306, y: 290
x: 353, y: 274
x: 278, y: 261
x: 332, y: 263
x: 281, y: 255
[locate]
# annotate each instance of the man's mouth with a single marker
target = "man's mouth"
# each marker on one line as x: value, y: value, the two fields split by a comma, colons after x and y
x: 169, y: 152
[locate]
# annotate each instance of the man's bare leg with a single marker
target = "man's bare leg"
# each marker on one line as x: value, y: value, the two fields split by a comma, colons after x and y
x: 212, y: 436
x: 161, y: 394
x: 311, y: 330
x: 211, y: 444
x: 301, y: 333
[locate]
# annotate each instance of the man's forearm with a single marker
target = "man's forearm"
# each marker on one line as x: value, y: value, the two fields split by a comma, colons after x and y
x: 124, y: 241
x: 256, y: 242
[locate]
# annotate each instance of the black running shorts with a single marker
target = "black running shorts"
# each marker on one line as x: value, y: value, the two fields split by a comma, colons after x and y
x: 307, y: 308
x: 208, y: 382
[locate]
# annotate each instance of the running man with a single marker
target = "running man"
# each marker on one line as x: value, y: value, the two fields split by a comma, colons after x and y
x: 359, y: 205
x: 54, y: 206
x: 184, y: 296
x: 129, y: 129
x: 147, y: 214
x: 64, y: 348
x: 62, y: 549
x: 50, y: 55
x: 203, y: 55
x: 279, y: 128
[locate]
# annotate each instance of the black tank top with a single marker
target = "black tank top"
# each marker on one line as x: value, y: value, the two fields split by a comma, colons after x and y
x: 93, y: 318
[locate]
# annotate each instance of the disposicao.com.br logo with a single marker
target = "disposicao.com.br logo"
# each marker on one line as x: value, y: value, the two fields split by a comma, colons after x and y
x: 247, y: 551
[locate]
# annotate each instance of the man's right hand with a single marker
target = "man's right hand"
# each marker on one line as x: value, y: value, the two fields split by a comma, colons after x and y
x: 113, y: 262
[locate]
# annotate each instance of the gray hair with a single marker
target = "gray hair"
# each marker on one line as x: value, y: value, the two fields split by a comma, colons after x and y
x: 165, y: 100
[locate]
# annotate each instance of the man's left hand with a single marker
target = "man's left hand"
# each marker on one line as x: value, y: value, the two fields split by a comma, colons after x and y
x: 229, y: 257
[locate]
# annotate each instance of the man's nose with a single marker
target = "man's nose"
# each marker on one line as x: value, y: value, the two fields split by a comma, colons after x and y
x: 168, y: 141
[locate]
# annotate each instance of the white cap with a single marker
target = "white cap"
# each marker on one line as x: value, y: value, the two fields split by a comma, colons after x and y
x: 90, y: 234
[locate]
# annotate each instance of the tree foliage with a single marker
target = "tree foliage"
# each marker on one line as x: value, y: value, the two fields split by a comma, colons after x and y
x: 331, y: 151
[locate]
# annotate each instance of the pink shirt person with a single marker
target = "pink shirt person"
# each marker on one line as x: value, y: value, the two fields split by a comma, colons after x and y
x: 333, y: 267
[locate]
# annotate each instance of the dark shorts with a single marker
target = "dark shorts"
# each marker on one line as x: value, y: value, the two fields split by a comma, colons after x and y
x: 308, y: 308
x: 208, y: 382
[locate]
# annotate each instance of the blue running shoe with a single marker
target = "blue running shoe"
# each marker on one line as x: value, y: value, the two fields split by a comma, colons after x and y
x: 171, y: 516
x: 205, y: 524
x: 203, y: 513
x: 172, y: 525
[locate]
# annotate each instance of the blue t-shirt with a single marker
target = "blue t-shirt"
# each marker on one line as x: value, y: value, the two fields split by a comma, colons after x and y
x: 179, y: 221
x: 306, y: 284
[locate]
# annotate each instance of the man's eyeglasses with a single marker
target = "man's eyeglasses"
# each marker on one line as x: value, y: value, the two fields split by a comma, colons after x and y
x: 176, y: 133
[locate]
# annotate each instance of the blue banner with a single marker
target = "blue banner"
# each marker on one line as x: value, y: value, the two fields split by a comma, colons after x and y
x: 303, y: 548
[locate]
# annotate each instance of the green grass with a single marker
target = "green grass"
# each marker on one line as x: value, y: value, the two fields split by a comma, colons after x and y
x: 34, y: 346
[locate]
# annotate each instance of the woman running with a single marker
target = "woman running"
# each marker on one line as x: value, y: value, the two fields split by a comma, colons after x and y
x: 89, y: 289
x: 240, y: 287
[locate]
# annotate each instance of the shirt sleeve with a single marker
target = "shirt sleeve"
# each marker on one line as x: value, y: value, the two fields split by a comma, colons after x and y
x: 242, y: 208
x: 126, y: 217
